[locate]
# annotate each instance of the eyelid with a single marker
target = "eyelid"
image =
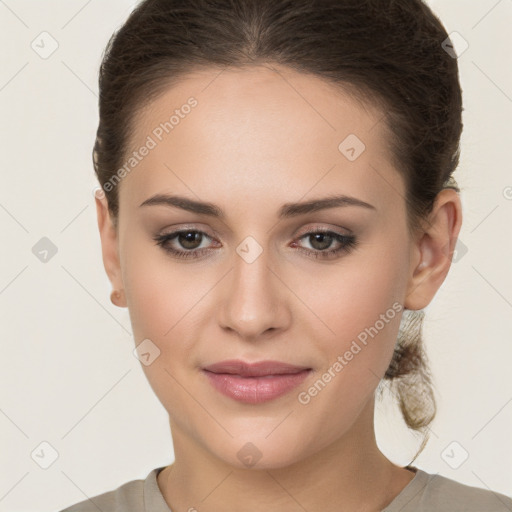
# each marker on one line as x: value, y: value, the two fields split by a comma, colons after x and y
x: 325, y: 228
x: 302, y: 231
x: 174, y: 229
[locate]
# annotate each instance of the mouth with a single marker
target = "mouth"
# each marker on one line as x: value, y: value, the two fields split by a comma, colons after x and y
x: 255, y: 383
x: 258, y: 369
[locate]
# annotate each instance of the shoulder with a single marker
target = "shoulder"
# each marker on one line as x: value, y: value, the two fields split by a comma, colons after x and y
x: 429, y: 492
x: 453, y: 495
x: 128, y: 497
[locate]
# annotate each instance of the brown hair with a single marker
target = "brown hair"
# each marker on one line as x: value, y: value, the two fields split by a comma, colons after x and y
x: 386, y: 52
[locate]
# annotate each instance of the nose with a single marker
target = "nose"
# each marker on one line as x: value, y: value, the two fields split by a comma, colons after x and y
x: 254, y: 299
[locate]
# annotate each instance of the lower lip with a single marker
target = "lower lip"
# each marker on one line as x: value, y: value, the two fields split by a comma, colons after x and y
x: 255, y: 390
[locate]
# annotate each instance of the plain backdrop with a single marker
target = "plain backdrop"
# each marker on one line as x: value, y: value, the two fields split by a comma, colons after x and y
x: 74, y: 397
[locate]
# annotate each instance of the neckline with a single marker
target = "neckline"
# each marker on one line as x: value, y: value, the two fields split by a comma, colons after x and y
x: 414, y: 487
x: 154, y: 500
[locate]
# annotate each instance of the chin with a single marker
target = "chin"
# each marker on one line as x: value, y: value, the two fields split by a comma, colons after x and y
x: 260, y: 454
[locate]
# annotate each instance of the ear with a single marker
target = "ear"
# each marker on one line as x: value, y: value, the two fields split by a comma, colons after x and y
x: 433, y: 250
x: 109, y: 244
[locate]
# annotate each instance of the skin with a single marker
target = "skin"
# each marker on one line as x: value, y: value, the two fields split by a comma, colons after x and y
x: 258, y: 138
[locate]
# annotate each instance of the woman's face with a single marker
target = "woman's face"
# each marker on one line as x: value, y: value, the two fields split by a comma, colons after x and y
x: 252, y: 142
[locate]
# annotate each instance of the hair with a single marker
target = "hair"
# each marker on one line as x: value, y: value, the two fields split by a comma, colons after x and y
x: 387, y: 53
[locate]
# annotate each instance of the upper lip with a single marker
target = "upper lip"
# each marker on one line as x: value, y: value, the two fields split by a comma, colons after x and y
x: 257, y: 369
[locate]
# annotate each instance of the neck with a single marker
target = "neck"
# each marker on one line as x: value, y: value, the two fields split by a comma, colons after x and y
x: 351, y: 473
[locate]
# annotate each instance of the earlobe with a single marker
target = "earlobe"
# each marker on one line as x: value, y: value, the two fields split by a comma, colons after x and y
x: 433, y: 251
x: 109, y: 244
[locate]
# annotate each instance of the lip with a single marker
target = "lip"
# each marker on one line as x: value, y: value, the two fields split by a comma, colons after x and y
x: 255, y: 383
x: 257, y: 369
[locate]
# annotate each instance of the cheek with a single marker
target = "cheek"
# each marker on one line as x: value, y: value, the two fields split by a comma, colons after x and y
x: 356, y: 312
x: 353, y: 296
x: 363, y: 311
x: 158, y: 290
x: 162, y: 304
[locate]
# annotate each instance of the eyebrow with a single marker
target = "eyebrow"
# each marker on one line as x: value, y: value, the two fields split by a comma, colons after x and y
x: 286, y: 211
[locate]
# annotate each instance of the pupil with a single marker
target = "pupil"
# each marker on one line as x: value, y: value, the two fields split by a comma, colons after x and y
x: 319, y: 237
x: 190, y: 238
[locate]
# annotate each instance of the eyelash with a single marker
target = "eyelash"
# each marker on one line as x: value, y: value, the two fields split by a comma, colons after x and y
x: 348, y: 243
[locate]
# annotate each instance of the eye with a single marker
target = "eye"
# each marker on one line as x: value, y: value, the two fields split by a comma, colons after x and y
x: 192, y: 239
x: 321, y: 240
x: 189, y: 239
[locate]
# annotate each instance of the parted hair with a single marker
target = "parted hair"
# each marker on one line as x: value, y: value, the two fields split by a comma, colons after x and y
x: 389, y: 53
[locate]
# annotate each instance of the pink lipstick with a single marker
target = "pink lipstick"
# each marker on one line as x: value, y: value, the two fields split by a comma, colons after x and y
x: 255, y: 383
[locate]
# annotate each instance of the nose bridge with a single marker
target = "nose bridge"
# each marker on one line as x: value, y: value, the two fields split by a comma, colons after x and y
x: 252, y: 302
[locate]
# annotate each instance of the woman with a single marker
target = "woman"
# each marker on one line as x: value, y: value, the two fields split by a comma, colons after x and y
x: 277, y: 204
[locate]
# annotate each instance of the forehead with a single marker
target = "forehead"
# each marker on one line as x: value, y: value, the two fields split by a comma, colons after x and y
x: 258, y: 129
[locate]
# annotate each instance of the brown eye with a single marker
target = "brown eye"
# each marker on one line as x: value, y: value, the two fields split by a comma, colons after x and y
x: 320, y: 241
x: 186, y: 243
x: 189, y: 239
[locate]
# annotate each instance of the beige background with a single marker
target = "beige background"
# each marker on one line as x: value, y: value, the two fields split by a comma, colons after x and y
x: 69, y: 377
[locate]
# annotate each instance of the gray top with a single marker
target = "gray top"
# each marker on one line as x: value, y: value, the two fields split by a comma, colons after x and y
x: 426, y: 492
